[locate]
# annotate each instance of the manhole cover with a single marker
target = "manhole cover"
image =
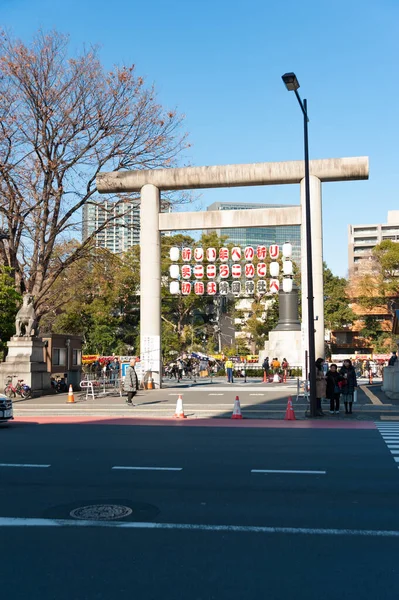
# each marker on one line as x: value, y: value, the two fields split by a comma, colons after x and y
x: 101, y: 512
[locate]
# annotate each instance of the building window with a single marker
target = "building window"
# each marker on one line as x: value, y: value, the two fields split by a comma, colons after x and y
x: 59, y: 357
x: 76, y: 357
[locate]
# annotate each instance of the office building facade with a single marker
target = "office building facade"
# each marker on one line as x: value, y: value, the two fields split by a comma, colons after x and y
x: 122, y: 228
x: 363, y: 238
x: 257, y: 236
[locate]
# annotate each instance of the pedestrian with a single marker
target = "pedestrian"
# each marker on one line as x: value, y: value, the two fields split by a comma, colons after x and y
x: 348, y: 385
x: 266, y: 367
x: 276, y: 365
x: 179, y: 370
x: 393, y: 359
x: 284, y: 366
x: 114, y: 367
x: 131, y: 383
x: 229, y: 370
x: 333, y: 391
x: 320, y: 386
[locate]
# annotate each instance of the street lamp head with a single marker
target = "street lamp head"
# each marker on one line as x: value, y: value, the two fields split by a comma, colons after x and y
x: 290, y: 81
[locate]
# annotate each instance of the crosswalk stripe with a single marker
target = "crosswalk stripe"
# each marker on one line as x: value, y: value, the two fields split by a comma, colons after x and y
x: 390, y: 434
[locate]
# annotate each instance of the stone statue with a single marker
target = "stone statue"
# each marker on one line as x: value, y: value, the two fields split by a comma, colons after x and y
x: 26, y: 318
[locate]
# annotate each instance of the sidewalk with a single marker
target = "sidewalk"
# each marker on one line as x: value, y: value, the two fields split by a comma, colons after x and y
x: 208, y: 401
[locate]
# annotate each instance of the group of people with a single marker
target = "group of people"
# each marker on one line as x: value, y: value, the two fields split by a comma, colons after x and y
x: 275, y: 366
x: 335, y: 385
x: 109, y: 369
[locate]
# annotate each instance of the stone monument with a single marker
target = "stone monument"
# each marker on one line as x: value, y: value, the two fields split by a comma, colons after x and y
x: 285, y: 340
x: 25, y: 358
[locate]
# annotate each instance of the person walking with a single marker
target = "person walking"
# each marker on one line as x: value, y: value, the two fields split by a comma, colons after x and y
x: 348, y: 385
x: 333, y: 391
x: 284, y: 366
x: 266, y: 368
x: 393, y: 359
x: 321, y: 385
x: 131, y: 383
x: 229, y: 370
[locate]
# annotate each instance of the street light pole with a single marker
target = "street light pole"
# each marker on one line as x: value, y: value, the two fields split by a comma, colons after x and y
x: 292, y: 84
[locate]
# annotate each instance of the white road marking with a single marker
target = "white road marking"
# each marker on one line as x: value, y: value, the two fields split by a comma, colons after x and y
x: 33, y: 522
x: 393, y: 447
x: 394, y: 451
x: 288, y: 471
x: 215, y: 394
x: 256, y: 394
x: 24, y: 465
x: 396, y: 458
x: 121, y: 468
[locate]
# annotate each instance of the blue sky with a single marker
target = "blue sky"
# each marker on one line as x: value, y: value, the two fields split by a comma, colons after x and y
x: 220, y: 63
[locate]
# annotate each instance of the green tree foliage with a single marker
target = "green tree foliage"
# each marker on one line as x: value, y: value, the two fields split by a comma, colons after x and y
x: 9, y: 304
x: 263, y: 317
x: 337, y: 312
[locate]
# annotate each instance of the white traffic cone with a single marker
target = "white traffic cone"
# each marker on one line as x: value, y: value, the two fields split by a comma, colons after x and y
x: 237, y: 409
x: 179, y: 414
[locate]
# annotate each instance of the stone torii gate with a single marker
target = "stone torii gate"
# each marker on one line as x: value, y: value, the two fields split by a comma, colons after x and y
x: 150, y: 182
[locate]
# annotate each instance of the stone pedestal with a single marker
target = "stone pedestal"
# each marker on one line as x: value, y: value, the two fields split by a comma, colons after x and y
x: 284, y: 344
x: 390, y: 384
x: 285, y: 341
x: 25, y: 361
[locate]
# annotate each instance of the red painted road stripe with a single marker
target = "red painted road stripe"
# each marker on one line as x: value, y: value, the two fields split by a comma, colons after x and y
x: 170, y: 422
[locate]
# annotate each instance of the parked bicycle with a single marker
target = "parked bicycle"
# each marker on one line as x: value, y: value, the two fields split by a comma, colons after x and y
x: 21, y: 388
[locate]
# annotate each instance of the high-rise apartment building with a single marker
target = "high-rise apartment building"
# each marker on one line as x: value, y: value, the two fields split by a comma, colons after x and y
x: 256, y: 236
x: 363, y: 238
x: 122, y: 229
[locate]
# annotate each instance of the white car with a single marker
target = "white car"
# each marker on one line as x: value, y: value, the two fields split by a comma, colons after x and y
x: 6, y: 410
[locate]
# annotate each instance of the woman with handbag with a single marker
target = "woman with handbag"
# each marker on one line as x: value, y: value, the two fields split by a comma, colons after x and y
x: 348, y: 385
x: 333, y: 390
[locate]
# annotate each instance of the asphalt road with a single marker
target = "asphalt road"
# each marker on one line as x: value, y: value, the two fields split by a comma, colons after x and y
x: 298, y: 533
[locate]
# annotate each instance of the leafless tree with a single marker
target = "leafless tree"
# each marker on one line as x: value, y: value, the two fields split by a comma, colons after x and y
x: 62, y: 120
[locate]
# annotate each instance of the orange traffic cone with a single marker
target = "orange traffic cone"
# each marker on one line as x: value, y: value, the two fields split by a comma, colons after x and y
x: 264, y: 377
x: 179, y: 414
x: 289, y: 414
x: 237, y: 409
x: 150, y: 384
x: 71, y: 397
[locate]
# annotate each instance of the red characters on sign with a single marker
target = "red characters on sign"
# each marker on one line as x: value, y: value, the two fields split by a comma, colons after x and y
x: 211, y: 254
x: 236, y: 271
x: 198, y: 254
x: 274, y: 286
x: 261, y: 252
x: 199, y: 288
x: 274, y: 251
x: 249, y: 270
x: 224, y: 254
x: 211, y: 271
x: 186, y: 254
x: 211, y: 288
x: 186, y: 271
x: 224, y: 271
x: 236, y: 253
x: 249, y: 253
x: 261, y: 269
x: 199, y: 271
x: 186, y: 288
